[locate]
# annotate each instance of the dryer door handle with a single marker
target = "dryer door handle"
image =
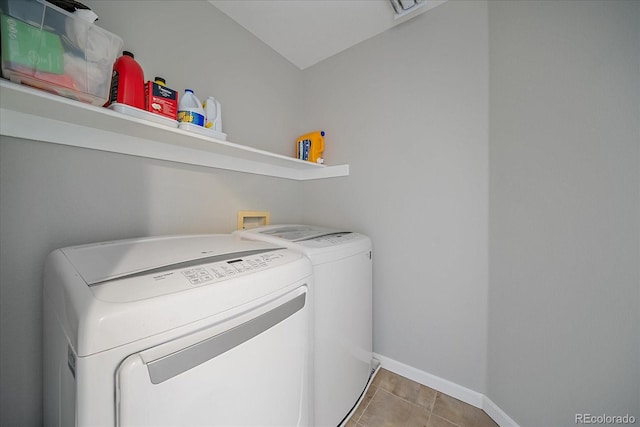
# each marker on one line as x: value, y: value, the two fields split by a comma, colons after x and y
x: 187, y: 358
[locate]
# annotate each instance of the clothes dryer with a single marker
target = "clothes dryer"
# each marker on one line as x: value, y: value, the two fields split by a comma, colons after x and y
x: 183, y: 330
x: 342, y: 312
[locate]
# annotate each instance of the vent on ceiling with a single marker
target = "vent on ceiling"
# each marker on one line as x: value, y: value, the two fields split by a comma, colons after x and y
x: 404, y: 7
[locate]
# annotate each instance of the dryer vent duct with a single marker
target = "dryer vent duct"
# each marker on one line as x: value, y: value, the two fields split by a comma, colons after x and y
x: 404, y: 7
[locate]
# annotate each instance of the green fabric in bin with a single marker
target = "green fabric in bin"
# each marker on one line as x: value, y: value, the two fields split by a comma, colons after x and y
x: 26, y: 45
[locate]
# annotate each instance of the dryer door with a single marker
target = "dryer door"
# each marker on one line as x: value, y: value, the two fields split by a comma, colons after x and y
x: 248, y: 371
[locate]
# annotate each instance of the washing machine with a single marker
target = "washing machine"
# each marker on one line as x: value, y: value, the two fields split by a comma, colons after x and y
x: 342, y: 313
x: 177, y: 331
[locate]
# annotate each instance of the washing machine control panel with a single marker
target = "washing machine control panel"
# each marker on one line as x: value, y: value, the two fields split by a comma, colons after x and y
x: 332, y: 239
x: 208, y: 273
x: 147, y: 285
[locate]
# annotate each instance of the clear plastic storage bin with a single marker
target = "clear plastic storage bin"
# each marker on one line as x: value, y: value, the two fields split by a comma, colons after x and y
x: 57, y: 51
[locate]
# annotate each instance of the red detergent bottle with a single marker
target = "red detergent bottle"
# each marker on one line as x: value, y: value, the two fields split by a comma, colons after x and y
x: 127, y: 82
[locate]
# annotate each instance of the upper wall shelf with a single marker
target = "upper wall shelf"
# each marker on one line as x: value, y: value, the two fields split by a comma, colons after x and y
x: 33, y: 114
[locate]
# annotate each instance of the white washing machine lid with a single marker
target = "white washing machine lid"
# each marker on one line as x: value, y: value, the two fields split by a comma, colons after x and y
x: 318, y: 243
x: 112, y: 293
x: 293, y: 233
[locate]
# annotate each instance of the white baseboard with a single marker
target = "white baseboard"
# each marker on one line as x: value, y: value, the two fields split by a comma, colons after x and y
x: 498, y: 415
x: 469, y: 396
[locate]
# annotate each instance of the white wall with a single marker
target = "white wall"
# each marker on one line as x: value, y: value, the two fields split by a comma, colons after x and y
x: 408, y: 111
x: 54, y: 196
x: 564, y: 326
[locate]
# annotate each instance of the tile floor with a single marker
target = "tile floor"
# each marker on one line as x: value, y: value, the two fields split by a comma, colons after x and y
x: 395, y: 401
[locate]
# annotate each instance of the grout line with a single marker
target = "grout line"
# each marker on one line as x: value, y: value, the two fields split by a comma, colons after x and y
x: 371, y: 387
x: 435, y: 397
x: 447, y: 420
x: 367, y: 406
x: 405, y: 400
x: 408, y: 401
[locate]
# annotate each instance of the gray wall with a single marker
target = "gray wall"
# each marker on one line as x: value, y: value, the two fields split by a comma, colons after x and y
x: 54, y: 196
x: 194, y: 45
x: 564, y: 327
x: 408, y: 111
x: 494, y: 154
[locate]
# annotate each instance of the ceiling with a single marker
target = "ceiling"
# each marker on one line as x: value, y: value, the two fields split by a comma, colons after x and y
x: 307, y: 31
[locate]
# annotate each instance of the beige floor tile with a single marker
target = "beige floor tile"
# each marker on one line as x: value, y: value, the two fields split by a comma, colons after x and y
x: 395, y: 401
x: 427, y: 397
x: 366, y: 399
x: 484, y: 420
x: 436, y: 421
x: 388, y: 410
x: 405, y: 388
x: 351, y: 423
x: 461, y: 413
x: 378, y: 378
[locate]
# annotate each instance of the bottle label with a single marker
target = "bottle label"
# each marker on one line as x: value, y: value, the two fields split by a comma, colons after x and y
x: 186, y: 116
x: 113, y: 90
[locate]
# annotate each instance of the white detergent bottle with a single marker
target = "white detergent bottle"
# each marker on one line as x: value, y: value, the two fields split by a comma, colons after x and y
x: 218, y: 124
x: 213, y: 113
x: 190, y: 109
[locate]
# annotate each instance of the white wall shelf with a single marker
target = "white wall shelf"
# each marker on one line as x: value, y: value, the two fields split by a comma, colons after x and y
x: 33, y: 114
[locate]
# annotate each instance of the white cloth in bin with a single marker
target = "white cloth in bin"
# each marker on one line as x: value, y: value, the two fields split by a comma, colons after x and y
x: 92, y: 41
x: 91, y: 64
x: 86, y: 15
x: 89, y: 77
